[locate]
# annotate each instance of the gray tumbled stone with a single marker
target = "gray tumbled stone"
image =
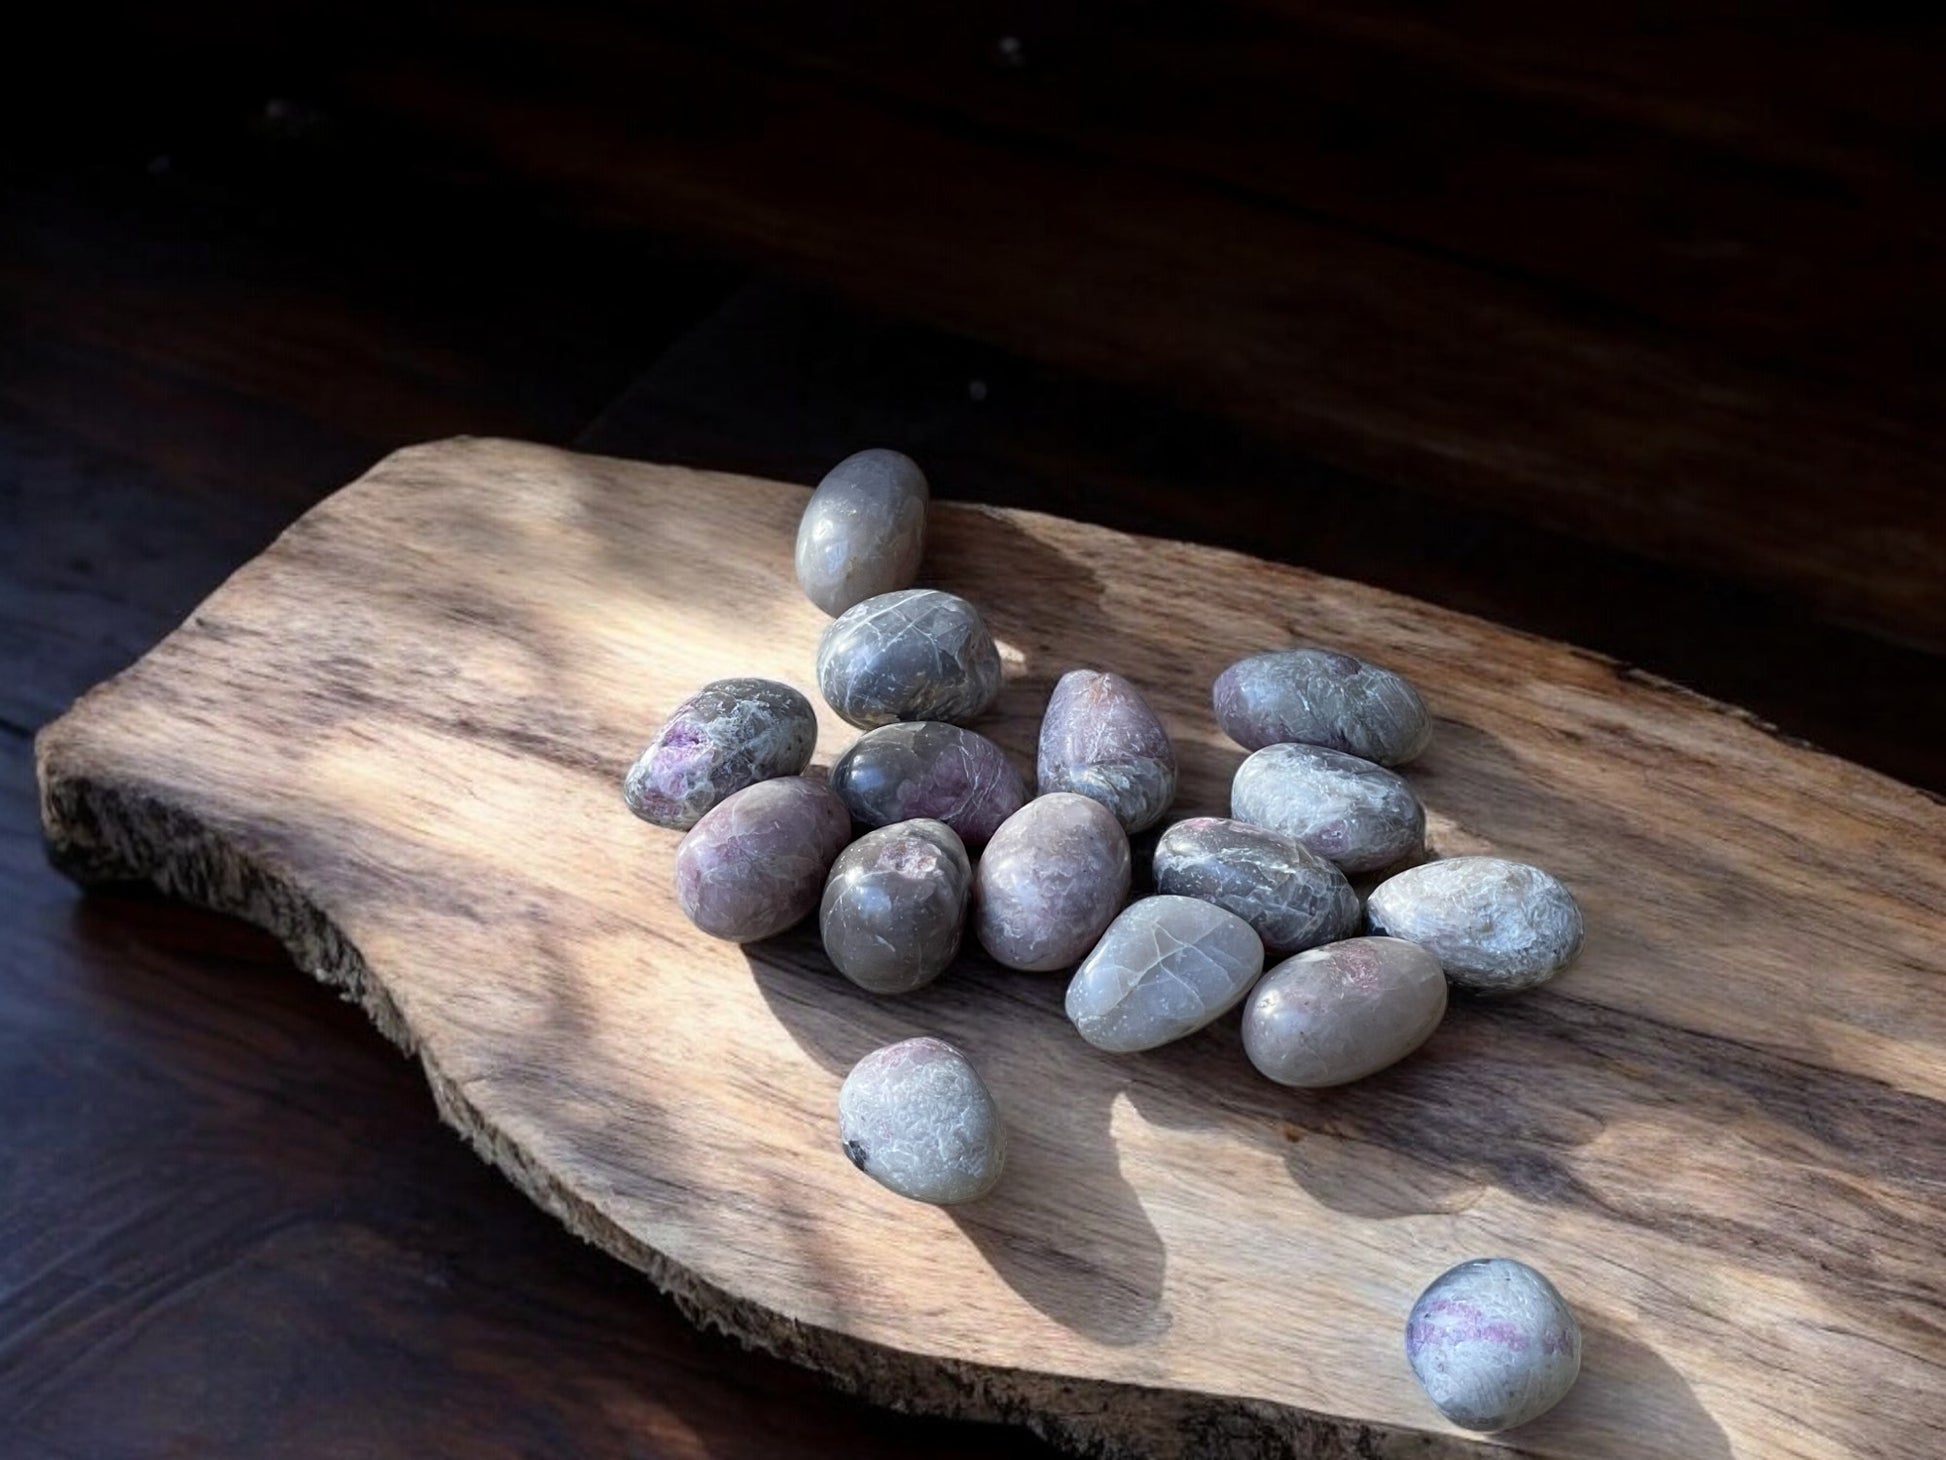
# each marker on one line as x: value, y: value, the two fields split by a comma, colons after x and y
x: 1343, y: 1011
x: 730, y: 734
x: 916, y: 1118
x: 1099, y: 738
x: 915, y: 655
x: 1292, y: 898
x: 1050, y: 881
x: 895, y: 905
x: 1322, y: 697
x: 756, y: 862
x: 929, y: 768
x: 864, y: 530
x: 1494, y: 1344
x: 1165, y: 968
x: 1349, y: 811
x: 1495, y: 926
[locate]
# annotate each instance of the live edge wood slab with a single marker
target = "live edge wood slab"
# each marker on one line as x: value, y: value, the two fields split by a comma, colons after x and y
x: 396, y: 740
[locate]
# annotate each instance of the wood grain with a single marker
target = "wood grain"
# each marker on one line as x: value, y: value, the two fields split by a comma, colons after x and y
x: 394, y: 740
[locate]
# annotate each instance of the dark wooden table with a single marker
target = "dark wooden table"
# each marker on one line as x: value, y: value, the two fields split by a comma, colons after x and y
x: 232, y: 1224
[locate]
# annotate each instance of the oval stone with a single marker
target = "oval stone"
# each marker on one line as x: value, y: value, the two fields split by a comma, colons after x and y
x: 1349, y: 811
x: 1291, y: 897
x: 1100, y: 739
x: 864, y: 530
x: 895, y: 905
x: 916, y: 655
x: 1165, y: 968
x: 1495, y: 926
x: 1050, y: 881
x: 1494, y: 1344
x: 755, y: 864
x: 927, y: 768
x: 730, y: 734
x: 1343, y: 1011
x: 1322, y: 697
x: 917, y: 1118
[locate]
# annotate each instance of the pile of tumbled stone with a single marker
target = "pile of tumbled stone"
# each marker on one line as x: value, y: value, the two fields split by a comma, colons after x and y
x: 1492, y: 1341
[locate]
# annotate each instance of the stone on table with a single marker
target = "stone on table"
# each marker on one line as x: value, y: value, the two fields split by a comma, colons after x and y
x: 919, y: 654
x: 1050, y: 882
x: 730, y: 734
x: 1344, y: 1011
x: 756, y: 862
x: 1292, y: 898
x: 927, y: 768
x: 895, y: 905
x: 1494, y: 1344
x: 1496, y: 926
x: 1315, y: 696
x: 1166, y: 967
x: 1349, y: 811
x: 917, y: 1118
x: 863, y: 531
x: 1099, y: 738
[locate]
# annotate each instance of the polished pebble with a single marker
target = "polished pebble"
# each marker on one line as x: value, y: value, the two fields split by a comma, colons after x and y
x: 1493, y: 1344
x: 1322, y: 697
x: 730, y: 734
x: 864, y: 530
x: 914, y: 655
x: 1166, y: 967
x: 756, y: 863
x: 1099, y: 738
x: 1349, y: 811
x: 1343, y: 1011
x: 1495, y: 926
x: 1292, y: 898
x: 929, y: 768
x: 1050, y: 882
x: 895, y: 905
x: 916, y: 1118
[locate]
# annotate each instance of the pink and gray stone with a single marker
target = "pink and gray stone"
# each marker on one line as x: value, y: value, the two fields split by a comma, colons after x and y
x: 1099, y: 738
x: 917, y: 1118
x: 1495, y: 926
x: 730, y: 734
x: 1493, y: 1344
x: 929, y: 768
x: 1050, y: 882
x: 1292, y: 898
x: 1349, y: 811
x: 864, y: 530
x: 915, y: 655
x: 1322, y: 697
x: 1344, y: 1011
x: 756, y: 863
x: 895, y: 905
x: 1165, y: 968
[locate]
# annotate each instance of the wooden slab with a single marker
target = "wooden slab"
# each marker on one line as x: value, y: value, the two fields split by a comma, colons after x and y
x: 395, y: 739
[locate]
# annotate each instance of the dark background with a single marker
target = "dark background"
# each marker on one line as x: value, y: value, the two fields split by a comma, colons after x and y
x: 1628, y: 332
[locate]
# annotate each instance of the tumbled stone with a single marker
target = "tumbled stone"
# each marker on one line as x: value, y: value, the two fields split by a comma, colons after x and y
x: 1165, y: 968
x: 1292, y: 898
x: 1494, y: 1344
x: 1343, y: 1011
x: 1099, y: 738
x: 1495, y: 926
x: 864, y: 530
x: 916, y: 1118
x: 1050, y: 881
x: 929, y: 768
x: 756, y: 862
x: 1322, y: 697
x: 730, y: 734
x: 916, y: 655
x: 1349, y: 811
x: 895, y: 905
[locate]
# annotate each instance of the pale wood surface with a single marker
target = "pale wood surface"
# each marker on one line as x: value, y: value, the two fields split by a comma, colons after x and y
x: 395, y: 739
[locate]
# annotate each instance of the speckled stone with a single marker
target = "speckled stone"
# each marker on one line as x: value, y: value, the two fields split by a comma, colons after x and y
x: 1100, y: 739
x: 1292, y: 898
x: 1343, y: 1011
x: 916, y: 655
x: 1349, y: 811
x: 730, y: 734
x: 755, y: 864
x: 864, y: 530
x: 916, y: 1118
x: 1322, y: 697
x: 1050, y: 882
x: 1494, y: 1344
x: 1165, y: 968
x: 895, y: 905
x: 929, y: 768
x: 1495, y: 926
